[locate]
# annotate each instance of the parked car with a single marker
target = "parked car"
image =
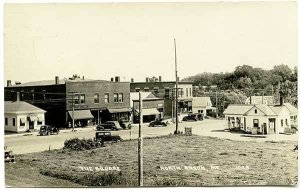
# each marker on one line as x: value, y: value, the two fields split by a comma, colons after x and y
x: 125, y: 124
x: 111, y: 125
x: 48, y: 130
x: 102, y: 137
x: 8, y: 156
x: 158, y: 123
x: 191, y: 117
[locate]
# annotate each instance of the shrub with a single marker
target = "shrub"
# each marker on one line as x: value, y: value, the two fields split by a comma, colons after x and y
x: 81, y: 144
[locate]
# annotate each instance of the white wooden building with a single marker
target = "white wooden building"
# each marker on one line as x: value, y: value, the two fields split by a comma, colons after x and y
x: 265, y: 119
x: 202, y: 105
x: 21, y: 116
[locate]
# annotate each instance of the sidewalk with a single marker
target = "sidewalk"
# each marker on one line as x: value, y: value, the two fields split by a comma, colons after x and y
x: 35, y: 133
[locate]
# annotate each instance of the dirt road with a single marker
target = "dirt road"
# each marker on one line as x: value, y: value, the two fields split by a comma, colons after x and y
x: 20, y: 144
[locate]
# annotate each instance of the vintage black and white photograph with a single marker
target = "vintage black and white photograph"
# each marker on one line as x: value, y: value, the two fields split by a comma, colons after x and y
x: 140, y: 94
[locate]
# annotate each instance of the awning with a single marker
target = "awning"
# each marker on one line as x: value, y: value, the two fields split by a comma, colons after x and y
x: 81, y: 114
x: 149, y: 111
x: 33, y: 118
x: 120, y: 110
x: 23, y: 120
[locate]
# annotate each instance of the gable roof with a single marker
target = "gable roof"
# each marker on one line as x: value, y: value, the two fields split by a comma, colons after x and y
x: 201, y: 101
x: 265, y: 109
x: 21, y: 107
x: 237, y: 109
x: 293, y: 110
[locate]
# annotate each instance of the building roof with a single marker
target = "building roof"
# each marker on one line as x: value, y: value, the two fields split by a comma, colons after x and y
x: 201, y: 101
x: 237, y: 109
x: 52, y: 82
x: 267, y: 109
x: 293, y: 110
x: 179, y: 82
x: 21, y: 107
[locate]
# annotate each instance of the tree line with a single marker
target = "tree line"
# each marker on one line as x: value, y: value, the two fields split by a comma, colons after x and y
x: 245, y: 80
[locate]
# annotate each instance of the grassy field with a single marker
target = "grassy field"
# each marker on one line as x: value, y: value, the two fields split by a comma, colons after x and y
x: 168, y: 161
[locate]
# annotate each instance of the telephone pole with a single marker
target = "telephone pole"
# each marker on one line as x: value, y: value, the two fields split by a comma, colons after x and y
x: 73, y: 122
x: 140, y: 142
x: 176, y: 90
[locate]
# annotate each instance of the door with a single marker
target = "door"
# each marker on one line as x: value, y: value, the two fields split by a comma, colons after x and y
x: 31, y: 124
x: 245, y: 124
x: 272, y: 125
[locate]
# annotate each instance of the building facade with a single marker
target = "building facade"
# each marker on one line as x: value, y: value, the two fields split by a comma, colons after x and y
x: 21, y: 116
x: 93, y: 101
x: 261, y: 118
x: 153, y: 107
x: 166, y: 91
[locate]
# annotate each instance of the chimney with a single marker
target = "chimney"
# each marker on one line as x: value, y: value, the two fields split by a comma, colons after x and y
x: 147, y: 79
x: 281, y: 100
x: 18, y: 96
x: 56, y: 80
x: 117, y: 79
x: 8, y: 83
x: 159, y: 78
x: 132, y: 80
x: 112, y: 79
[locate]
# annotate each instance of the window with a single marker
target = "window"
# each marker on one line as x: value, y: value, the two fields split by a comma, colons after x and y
x: 187, y: 92
x: 286, y: 122
x: 14, y: 122
x: 82, y: 98
x: 282, y: 123
x: 115, y: 97
x: 190, y: 91
x: 167, y: 93
x: 137, y: 89
x: 106, y: 97
x: 120, y: 97
x: 22, y: 123
x: 6, y: 121
x: 76, y: 98
x: 146, y: 89
x: 39, y: 122
x: 96, y: 98
x: 155, y: 90
x: 255, y: 111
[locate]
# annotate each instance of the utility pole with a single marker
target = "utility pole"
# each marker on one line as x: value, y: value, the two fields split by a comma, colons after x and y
x: 73, y: 122
x: 176, y: 90
x: 140, y: 142
x: 216, y: 103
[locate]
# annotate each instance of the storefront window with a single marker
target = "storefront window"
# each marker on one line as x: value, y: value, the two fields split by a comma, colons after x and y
x: 82, y: 98
x: 96, y: 98
x: 120, y: 97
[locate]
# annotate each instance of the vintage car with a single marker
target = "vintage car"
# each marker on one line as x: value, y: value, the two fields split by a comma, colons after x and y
x: 110, y: 125
x: 48, y: 130
x: 8, y: 156
x: 158, y: 123
x: 102, y: 136
x: 191, y: 117
x: 125, y: 124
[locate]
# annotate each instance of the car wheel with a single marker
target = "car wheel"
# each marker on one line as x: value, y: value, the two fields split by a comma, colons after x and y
x: 48, y: 133
x: 184, y: 119
x: 164, y: 124
x: 151, y: 125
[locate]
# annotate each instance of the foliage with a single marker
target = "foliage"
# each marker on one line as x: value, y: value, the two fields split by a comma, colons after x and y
x: 246, y: 80
x: 81, y: 144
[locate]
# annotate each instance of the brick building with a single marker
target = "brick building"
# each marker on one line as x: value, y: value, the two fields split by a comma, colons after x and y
x: 93, y: 100
x: 166, y: 90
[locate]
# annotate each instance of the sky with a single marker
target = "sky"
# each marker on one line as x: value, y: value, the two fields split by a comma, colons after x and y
x: 136, y: 40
